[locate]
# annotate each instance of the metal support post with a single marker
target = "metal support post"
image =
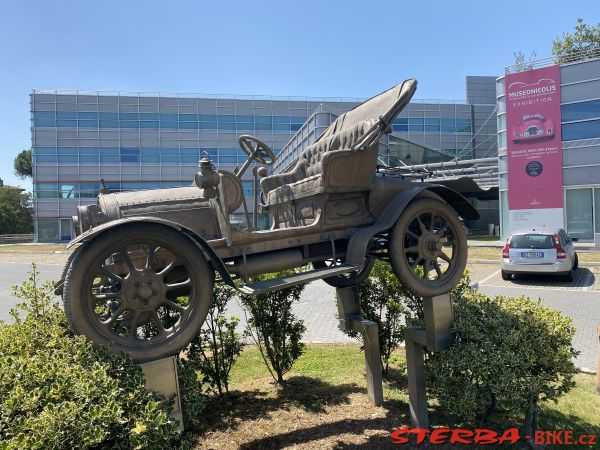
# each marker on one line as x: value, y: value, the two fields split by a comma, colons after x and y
x: 598, y: 368
x: 161, y: 377
x: 437, y: 335
x: 348, y: 303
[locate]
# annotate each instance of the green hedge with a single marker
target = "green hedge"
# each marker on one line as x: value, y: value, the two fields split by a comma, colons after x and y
x: 509, y: 354
x: 59, y: 392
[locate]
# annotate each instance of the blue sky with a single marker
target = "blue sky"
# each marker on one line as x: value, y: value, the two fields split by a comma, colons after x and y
x: 327, y: 48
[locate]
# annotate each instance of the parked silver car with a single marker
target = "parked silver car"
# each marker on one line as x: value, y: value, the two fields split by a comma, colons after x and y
x: 539, y: 251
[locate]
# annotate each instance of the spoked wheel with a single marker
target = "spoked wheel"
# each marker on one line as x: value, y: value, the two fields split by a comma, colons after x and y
x: 145, y: 289
x: 429, y: 247
x: 349, y: 279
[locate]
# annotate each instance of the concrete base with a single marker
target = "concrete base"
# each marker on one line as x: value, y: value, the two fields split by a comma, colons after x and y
x: 161, y: 377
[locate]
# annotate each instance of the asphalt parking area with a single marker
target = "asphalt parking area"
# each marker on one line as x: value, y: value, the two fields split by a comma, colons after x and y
x: 585, y: 279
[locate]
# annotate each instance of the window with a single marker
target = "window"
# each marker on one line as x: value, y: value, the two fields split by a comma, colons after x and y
x: 581, y: 111
x: 47, y: 230
x: 65, y: 230
x: 89, y: 190
x: 581, y: 130
x: 580, y: 219
x: 68, y: 191
x: 130, y: 154
x: 150, y: 155
x: 597, y: 209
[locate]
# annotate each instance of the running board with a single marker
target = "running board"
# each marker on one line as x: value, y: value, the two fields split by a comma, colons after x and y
x: 295, y: 279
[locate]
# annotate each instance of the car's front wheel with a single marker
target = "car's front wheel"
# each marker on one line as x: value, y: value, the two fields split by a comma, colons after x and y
x: 142, y: 289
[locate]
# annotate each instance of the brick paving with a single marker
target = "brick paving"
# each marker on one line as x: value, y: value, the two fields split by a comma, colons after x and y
x: 579, y: 300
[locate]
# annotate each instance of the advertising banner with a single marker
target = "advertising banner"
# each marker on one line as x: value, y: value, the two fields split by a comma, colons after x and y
x: 534, y: 149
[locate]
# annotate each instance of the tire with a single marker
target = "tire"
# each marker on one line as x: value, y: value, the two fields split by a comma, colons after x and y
x: 506, y: 275
x: 116, y: 294
x: 347, y: 280
x: 568, y: 276
x: 424, y: 228
x: 576, y: 263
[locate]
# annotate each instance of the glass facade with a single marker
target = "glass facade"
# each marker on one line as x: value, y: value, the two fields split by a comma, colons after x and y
x: 148, y: 141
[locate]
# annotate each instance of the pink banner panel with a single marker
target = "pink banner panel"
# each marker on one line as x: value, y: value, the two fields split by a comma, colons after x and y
x: 534, y: 147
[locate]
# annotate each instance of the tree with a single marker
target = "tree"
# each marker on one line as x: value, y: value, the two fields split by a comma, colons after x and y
x: 217, y: 345
x: 574, y: 46
x: 22, y: 164
x: 522, y: 63
x: 15, y: 211
x: 274, y: 329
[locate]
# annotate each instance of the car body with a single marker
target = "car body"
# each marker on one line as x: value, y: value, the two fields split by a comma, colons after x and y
x: 142, y: 276
x: 533, y: 127
x: 539, y: 251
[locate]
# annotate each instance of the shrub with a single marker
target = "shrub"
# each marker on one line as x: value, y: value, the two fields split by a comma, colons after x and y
x: 274, y: 328
x: 217, y: 345
x: 509, y: 353
x: 58, y: 391
x: 389, y: 304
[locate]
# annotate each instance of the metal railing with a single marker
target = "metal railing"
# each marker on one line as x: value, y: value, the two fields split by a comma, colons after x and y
x: 15, y: 238
x: 576, y: 57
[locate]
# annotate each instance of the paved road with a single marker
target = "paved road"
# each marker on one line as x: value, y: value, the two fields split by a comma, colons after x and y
x: 580, y: 300
x: 15, y: 273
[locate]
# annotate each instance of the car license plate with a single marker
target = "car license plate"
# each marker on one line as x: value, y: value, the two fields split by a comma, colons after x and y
x: 532, y: 255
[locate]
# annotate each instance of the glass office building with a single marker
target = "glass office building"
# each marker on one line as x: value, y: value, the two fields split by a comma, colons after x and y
x: 148, y: 141
x: 580, y: 117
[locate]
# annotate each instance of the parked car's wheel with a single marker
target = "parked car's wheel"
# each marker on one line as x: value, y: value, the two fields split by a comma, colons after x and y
x: 506, y: 275
x: 428, y: 249
x: 143, y: 288
x: 568, y: 276
x: 576, y: 263
x: 346, y: 280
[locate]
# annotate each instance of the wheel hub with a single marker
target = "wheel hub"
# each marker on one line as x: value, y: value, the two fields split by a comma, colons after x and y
x: 430, y: 245
x: 144, y: 291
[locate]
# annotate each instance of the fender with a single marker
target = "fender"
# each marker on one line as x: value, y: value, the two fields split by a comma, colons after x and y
x: 200, y: 242
x: 357, y: 247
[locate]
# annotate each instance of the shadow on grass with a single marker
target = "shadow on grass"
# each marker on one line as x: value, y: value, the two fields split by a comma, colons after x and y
x: 376, y: 431
x: 308, y: 393
x: 327, y: 430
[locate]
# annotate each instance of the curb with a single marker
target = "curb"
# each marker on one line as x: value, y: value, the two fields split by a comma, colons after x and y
x: 493, y: 261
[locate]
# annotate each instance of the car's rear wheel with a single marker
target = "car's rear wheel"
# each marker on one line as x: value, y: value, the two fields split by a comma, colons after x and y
x: 506, y: 275
x: 428, y: 249
x: 143, y: 289
x: 568, y: 276
x: 576, y: 263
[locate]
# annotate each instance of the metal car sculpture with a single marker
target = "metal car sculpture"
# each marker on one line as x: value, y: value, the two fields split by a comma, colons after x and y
x: 141, y: 278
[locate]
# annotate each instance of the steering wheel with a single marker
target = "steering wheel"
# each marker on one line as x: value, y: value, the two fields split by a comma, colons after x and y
x: 256, y: 149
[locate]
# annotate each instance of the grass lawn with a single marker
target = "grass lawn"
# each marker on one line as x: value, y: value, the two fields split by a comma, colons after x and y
x: 30, y: 248
x: 325, y: 406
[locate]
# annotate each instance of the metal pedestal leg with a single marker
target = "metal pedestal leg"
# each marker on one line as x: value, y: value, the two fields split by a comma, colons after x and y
x: 349, y: 315
x: 437, y: 334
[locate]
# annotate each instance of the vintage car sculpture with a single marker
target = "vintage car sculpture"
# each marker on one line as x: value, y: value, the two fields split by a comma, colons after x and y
x: 142, y: 276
